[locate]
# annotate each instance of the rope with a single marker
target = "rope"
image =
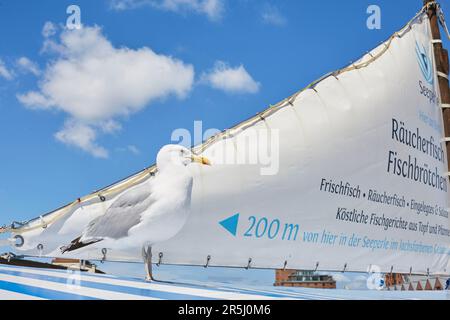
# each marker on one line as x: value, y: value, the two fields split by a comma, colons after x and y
x: 118, y: 187
x: 442, y: 75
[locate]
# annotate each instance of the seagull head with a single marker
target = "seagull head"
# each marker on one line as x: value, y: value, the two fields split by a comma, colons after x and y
x: 178, y: 155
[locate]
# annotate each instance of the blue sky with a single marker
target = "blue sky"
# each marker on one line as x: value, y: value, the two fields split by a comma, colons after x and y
x: 55, y: 148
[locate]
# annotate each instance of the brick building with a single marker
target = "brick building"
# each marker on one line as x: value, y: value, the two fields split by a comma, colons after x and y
x: 398, y: 281
x: 303, y: 278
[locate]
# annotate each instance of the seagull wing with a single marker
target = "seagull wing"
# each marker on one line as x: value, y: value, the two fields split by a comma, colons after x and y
x: 122, y: 215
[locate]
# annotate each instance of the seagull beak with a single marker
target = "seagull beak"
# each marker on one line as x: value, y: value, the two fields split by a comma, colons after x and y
x: 202, y: 160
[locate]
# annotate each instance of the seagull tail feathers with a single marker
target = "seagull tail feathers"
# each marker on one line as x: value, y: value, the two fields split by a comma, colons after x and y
x: 77, y: 244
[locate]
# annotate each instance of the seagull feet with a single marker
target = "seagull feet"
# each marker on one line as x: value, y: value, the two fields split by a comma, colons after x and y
x: 149, y: 278
x: 147, y: 255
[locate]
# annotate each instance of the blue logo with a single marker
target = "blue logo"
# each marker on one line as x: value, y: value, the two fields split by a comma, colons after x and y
x: 425, y: 64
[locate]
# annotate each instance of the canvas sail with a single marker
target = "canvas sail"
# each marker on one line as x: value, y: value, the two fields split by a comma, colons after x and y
x: 360, y: 180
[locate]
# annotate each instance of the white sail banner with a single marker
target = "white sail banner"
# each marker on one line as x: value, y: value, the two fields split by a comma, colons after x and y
x: 347, y: 174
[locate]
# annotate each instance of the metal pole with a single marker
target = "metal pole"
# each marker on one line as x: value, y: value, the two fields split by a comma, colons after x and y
x: 442, y: 65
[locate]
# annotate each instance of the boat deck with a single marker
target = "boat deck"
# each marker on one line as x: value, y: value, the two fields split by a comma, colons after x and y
x: 33, y: 283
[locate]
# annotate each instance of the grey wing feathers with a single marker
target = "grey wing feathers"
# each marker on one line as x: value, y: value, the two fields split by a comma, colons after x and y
x: 123, y: 214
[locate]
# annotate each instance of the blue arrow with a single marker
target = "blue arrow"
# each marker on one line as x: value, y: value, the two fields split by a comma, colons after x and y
x: 231, y: 224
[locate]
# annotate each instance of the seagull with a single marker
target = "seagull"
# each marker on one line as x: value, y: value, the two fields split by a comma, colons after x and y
x: 151, y: 212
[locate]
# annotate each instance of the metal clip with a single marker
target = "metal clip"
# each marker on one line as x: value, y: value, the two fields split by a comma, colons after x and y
x: 17, y: 224
x: 208, y: 258
x: 285, y: 264
x: 160, y: 256
x: 345, y: 267
x: 21, y: 239
x: 102, y: 198
x: 43, y: 224
x: 410, y: 271
x: 248, y: 264
x: 317, y: 266
x: 104, y: 252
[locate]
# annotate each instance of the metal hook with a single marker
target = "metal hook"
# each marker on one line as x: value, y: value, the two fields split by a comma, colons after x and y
x: 248, y: 264
x: 428, y: 272
x: 104, y: 251
x: 410, y: 271
x: 285, y: 264
x: 102, y: 198
x: 317, y: 266
x: 44, y: 225
x: 392, y: 268
x: 345, y: 267
x: 40, y: 248
x: 17, y: 224
x: 160, y: 256
x: 208, y: 258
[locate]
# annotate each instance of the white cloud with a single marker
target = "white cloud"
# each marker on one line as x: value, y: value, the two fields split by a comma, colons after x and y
x: 83, y: 136
x: 229, y: 79
x: 28, y: 66
x: 50, y: 45
x: 49, y: 29
x: 110, y: 126
x: 35, y: 100
x: 4, y: 72
x: 128, y: 4
x: 130, y: 148
x: 133, y: 149
x: 96, y: 83
x: 272, y: 15
x: 213, y: 9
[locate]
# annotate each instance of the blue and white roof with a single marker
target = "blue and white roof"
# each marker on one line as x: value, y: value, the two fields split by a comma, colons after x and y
x: 31, y: 283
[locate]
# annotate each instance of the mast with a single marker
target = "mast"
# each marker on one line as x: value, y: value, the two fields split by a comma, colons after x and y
x: 442, y: 67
